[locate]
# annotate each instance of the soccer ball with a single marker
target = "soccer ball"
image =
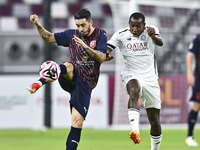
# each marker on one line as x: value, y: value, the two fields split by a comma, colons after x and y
x: 49, y: 71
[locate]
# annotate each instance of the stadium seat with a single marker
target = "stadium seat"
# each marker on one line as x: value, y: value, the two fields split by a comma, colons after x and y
x: 60, y: 23
x: 106, y: 9
x: 95, y: 8
x: 108, y: 22
x: 5, y: 10
x: 166, y: 22
x: 73, y: 8
x: 71, y: 23
x: 82, y: 1
x: 98, y: 22
x: 59, y: 10
x: 14, y: 1
x: 69, y: 1
x: 21, y: 10
x: 3, y: 2
x: 37, y: 9
x: 32, y: 1
x: 164, y: 11
x: 181, y: 11
x: 8, y: 24
x: 147, y: 10
x: 25, y: 23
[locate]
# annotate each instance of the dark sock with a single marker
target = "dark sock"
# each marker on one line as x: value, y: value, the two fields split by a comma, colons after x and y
x: 73, y: 138
x: 63, y: 69
x: 42, y: 81
x: 191, y: 122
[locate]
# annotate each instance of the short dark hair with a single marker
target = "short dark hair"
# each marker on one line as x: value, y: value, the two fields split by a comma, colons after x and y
x: 83, y: 13
x: 137, y: 15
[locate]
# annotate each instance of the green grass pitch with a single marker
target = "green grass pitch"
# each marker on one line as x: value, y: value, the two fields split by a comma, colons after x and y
x: 91, y: 139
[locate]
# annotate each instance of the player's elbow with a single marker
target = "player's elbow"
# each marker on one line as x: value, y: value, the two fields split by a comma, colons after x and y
x: 49, y: 38
x: 160, y: 44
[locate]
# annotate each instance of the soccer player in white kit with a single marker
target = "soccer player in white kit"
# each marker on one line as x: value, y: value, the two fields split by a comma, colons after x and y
x: 139, y: 75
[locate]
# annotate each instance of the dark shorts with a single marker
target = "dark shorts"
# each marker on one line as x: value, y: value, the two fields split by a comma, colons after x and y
x: 196, y: 91
x: 80, y: 93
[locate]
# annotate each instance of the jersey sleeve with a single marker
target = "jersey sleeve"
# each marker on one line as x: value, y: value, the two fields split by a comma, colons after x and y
x: 102, y: 42
x: 113, y: 42
x: 193, y: 46
x: 63, y: 38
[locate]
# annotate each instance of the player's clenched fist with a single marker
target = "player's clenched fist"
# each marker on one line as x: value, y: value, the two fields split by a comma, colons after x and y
x: 151, y: 32
x: 34, y: 18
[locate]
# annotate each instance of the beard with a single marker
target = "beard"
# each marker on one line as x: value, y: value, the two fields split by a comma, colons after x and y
x: 86, y: 33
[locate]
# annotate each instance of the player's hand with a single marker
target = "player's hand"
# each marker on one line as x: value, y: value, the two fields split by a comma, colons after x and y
x: 79, y: 42
x: 34, y: 18
x: 109, y: 56
x: 151, y: 32
x: 191, y: 79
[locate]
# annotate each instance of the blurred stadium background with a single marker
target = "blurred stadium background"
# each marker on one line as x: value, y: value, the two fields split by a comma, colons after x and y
x: 22, y: 52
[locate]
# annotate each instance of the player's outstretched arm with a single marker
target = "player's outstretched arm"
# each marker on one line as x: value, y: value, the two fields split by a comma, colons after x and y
x: 45, y: 35
x: 95, y: 54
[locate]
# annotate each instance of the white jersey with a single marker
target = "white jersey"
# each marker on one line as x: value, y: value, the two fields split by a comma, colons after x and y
x: 138, y: 53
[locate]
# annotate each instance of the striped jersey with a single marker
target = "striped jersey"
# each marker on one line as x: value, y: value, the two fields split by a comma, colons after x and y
x: 138, y: 53
x: 84, y: 64
x: 194, y: 47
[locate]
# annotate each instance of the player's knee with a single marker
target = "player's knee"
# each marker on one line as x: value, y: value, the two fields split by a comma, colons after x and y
x: 77, y: 123
x: 134, y: 93
x: 196, y: 106
x: 69, y: 66
x: 155, y: 123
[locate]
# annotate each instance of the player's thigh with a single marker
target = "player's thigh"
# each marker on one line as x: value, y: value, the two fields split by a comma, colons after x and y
x: 77, y: 119
x: 151, y: 94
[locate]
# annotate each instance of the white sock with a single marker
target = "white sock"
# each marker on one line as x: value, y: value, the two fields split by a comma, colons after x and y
x: 40, y: 83
x: 155, y: 142
x: 134, y: 115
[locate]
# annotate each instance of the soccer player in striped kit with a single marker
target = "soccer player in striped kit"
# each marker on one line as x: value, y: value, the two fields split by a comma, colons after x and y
x: 88, y: 47
x: 139, y: 75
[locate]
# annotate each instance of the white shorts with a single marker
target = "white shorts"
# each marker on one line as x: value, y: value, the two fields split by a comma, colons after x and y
x: 149, y: 92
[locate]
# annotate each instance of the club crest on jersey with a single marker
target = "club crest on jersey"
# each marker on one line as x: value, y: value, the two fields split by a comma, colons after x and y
x: 84, y: 58
x: 93, y: 44
x: 143, y: 37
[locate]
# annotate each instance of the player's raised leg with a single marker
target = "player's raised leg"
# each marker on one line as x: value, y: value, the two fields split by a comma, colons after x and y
x: 50, y: 73
x: 133, y: 89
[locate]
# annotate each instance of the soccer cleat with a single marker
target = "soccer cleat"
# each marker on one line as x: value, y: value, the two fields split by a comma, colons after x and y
x: 135, y: 136
x: 191, y: 142
x: 34, y: 87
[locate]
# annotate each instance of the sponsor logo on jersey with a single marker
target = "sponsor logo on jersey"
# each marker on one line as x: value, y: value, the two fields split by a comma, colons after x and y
x: 137, y: 46
x: 93, y: 44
